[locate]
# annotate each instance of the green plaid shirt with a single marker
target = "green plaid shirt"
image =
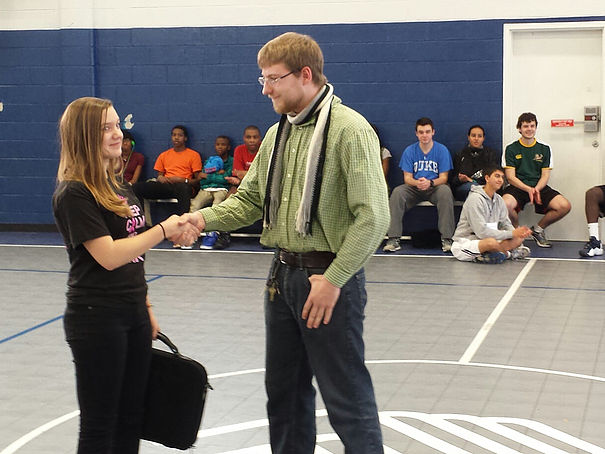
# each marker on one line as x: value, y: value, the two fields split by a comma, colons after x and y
x: 353, y: 212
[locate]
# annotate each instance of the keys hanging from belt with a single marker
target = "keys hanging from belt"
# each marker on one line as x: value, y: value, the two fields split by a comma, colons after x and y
x: 271, y: 284
x: 273, y: 289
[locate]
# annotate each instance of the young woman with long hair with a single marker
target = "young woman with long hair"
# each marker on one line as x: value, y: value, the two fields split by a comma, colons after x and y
x: 109, y: 323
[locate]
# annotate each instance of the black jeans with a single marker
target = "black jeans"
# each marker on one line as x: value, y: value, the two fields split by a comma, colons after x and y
x: 156, y: 190
x: 111, y: 348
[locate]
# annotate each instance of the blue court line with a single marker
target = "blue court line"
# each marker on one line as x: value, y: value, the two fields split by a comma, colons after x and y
x: 159, y: 276
x: 47, y: 322
x: 31, y: 329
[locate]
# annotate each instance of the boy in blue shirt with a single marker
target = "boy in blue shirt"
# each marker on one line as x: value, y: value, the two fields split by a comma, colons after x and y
x: 214, y: 188
x: 425, y: 165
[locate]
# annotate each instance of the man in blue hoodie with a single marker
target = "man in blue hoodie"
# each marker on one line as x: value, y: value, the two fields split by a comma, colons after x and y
x: 485, y: 233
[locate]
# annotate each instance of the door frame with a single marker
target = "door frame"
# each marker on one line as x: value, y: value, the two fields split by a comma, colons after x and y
x: 508, y: 116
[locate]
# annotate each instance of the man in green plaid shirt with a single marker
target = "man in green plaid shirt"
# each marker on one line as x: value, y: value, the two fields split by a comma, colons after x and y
x: 317, y: 183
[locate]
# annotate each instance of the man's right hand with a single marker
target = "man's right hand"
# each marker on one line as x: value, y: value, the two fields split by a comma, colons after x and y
x: 190, y: 226
x: 195, y: 218
x: 537, y: 197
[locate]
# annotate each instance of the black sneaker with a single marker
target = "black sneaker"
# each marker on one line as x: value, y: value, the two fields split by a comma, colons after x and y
x: 592, y: 248
x: 540, y: 238
x: 223, y: 241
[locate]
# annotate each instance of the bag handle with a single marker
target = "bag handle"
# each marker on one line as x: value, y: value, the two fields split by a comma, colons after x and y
x: 162, y: 337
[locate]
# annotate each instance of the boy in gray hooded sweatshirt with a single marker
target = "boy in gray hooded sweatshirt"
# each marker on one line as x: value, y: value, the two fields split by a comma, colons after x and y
x: 485, y: 233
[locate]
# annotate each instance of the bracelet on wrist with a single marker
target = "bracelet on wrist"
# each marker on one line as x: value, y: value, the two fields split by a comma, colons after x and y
x: 163, y: 230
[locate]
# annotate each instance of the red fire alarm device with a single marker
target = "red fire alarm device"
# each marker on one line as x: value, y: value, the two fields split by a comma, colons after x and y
x: 561, y: 123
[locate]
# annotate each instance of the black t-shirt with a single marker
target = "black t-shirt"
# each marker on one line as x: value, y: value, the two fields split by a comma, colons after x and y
x: 80, y: 218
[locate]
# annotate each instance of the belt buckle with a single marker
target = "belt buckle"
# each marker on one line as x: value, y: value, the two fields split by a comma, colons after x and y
x: 283, y: 257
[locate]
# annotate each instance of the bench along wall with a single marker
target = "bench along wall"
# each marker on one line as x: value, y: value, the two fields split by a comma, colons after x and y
x: 197, y: 66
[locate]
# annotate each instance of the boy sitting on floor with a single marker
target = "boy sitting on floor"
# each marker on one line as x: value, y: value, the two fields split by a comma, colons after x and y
x: 485, y: 233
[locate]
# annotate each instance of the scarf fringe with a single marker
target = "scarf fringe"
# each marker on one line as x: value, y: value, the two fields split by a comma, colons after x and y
x: 316, y: 153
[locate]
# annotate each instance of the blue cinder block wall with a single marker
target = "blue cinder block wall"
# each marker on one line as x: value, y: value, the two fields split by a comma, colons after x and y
x: 205, y: 78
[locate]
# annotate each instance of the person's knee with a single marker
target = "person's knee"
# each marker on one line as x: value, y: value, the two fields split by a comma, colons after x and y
x: 594, y: 196
x: 398, y: 196
x: 444, y: 195
x: 398, y: 192
x: 560, y: 204
x: 510, y: 202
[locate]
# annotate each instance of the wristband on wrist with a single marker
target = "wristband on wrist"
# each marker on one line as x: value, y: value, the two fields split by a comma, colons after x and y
x: 432, y: 184
x: 163, y: 230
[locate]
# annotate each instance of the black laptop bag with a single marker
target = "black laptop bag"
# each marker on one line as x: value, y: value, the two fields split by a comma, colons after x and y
x: 176, y: 393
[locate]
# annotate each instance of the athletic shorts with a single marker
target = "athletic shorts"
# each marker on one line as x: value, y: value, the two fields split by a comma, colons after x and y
x: 522, y: 198
x: 465, y: 250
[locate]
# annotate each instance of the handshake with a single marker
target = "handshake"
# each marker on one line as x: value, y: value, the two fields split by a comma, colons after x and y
x: 184, y: 229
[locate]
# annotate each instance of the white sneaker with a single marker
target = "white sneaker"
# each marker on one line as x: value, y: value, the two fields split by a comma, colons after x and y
x: 392, y: 245
x: 446, y: 245
x: 519, y: 253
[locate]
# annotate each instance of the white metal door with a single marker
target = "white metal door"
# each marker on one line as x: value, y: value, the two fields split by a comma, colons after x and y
x: 554, y: 70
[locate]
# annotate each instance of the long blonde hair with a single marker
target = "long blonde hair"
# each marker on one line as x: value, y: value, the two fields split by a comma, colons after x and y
x: 81, y: 134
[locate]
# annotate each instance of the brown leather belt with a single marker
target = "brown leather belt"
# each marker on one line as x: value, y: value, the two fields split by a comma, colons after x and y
x: 314, y: 259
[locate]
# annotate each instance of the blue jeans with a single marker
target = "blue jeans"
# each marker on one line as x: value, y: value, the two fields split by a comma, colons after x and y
x: 461, y: 192
x: 333, y: 353
x: 111, y: 348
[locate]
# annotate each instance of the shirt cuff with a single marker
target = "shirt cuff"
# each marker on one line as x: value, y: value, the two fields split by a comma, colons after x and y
x: 336, y: 277
x: 210, y: 219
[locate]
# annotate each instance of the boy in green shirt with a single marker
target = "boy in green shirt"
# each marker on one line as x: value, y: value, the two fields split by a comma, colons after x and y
x: 528, y: 164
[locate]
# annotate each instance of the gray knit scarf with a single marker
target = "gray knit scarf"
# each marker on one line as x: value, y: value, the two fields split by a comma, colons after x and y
x: 316, y: 155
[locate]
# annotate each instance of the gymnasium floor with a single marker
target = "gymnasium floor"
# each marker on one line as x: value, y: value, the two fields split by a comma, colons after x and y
x: 465, y: 358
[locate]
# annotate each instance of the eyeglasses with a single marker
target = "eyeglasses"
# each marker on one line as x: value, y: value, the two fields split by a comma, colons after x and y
x: 273, y: 80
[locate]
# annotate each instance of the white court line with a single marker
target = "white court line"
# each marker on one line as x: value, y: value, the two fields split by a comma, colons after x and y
x: 16, y: 445
x: 491, y: 320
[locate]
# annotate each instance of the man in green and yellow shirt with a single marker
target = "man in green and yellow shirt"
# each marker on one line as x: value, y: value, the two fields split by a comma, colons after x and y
x: 317, y: 183
x: 528, y: 164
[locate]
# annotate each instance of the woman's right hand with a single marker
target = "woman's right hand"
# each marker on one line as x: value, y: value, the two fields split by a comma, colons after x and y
x: 184, y: 233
